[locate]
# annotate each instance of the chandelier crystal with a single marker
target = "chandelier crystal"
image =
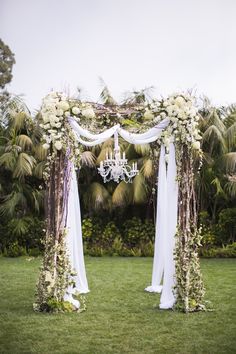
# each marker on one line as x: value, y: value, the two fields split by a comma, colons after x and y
x: 115, y: 167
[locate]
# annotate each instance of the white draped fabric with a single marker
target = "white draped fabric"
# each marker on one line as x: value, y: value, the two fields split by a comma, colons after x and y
x: 74, y: 242
x: 163, y: 264
x: 161, y: 220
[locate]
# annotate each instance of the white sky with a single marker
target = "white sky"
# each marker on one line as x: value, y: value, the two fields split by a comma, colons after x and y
x: 169, y: 44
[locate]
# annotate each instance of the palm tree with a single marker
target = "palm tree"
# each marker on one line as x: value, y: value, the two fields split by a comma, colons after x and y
x: 21, y: 161
x: 217, y: 183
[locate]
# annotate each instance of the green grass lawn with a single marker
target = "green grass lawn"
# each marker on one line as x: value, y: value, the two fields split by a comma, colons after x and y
x: 121, y: 317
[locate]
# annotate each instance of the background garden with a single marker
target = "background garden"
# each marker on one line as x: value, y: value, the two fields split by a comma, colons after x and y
x: 118, y: 219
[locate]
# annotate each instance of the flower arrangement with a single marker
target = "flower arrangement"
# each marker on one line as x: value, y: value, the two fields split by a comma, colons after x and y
x: 180, y: 109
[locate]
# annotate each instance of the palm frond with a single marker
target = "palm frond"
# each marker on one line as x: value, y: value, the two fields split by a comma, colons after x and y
x: 24, y: 141
x: 105, y: 95
x: 219, y: 190
x: 230, y: 187
x: 229, y: 162
x: 40, y: 153
x: 39, y: 169
x: 97, y: 197
x: 147, y: 169
x: 123, y: 194
x: 140, y: 189
x: 231, y: 136
x: 215, y: 120
x: 20, y: 226
x: 38, y: 199
x: 214, y: 138
x: 11, y: 202
x: 24, y: 165
x: 143, y: 149
x: 88, y: 159
x: 18, y: 121
x: 8, y: 160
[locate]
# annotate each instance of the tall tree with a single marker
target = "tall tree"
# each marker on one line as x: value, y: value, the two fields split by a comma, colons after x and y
x: 7, y: 60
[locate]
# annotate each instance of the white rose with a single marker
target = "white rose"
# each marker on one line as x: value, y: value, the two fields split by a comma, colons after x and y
x: 46, y: 118
x: 148, y: 115
x: 196, y: 145
x: 88, y: 113
x: 58, y: 145
x: 46, y: 146
x: 59, y: 112
x: 165, y: 103
x: 75, y: 110
x: 179, y: 101
x: 67, y: 114
x: 64, y: 105
x: 163, y: 114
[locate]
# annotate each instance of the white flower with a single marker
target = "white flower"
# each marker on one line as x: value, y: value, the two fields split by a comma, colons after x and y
x: 58, y: 125
x: 67, y: 114
x: 88, y: 113
x: 46, y: 118
x: 148, y: 115
x: 179, y: 101
x: 75, y: 110
x: 59, y: 112
x: 46, y: 146
x: 77, y: 151
x: 48, y: 276
x: 196, y: 145
x: 64, y: 105
x: 58, y: 145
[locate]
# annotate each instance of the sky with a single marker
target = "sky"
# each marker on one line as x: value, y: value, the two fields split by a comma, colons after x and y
x: 172, y: 45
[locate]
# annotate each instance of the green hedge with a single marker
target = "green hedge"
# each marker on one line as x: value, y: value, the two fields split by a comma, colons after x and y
x: 133, y: 237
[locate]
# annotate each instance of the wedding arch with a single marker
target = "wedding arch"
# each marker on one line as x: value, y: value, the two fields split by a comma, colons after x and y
x: 171, y: 125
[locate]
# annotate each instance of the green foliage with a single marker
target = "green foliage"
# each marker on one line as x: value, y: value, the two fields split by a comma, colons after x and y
x: 6, y: 63
x: 134, y: 238
x: 27, y: 232
x: 110, y: 233
x: 14, y: 250
x: 135, y: 232
x: 227, y: 225
x: 228, y: 251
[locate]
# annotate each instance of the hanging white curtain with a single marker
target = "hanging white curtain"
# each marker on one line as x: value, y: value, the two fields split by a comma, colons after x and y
x: 74, y: 240
x: 168, y: 296
x: 163, y: 263
x: 161, y: 230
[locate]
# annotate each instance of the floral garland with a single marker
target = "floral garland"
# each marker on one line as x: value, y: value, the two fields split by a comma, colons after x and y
x: 179, y: 108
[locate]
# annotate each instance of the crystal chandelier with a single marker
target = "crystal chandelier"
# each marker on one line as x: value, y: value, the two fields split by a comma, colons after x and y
x: 115, y: 167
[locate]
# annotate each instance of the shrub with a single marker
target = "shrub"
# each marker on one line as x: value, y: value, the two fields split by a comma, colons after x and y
x: 135, y: 232
x: 228, y: 251
x: 26, y: 232
x: 14, y: 250
x: 227, y: 225
x: 110, y: 233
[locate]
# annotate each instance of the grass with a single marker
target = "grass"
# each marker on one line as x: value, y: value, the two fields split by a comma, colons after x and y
x: 121, y: 317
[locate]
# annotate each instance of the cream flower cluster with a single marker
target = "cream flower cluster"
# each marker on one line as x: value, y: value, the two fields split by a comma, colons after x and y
x: 183, y: 115
x: 55, y: 108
